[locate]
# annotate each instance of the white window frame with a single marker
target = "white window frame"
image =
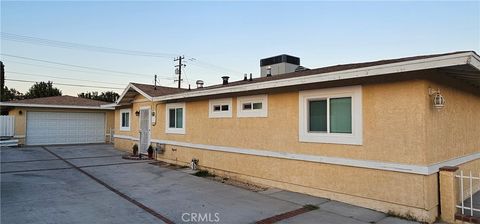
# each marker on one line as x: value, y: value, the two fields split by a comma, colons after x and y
x: 220, y: 102
x: 122, y: 111
x: 355, y: 138
x: 168, y: 129
x: 252, y: 112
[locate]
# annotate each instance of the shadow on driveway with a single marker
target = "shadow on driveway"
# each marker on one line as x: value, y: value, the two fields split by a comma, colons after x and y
x: 92, y: 184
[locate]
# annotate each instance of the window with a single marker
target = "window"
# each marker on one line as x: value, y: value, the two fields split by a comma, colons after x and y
x: 252, y: 106
x: 175, y: 118
x: 331, y: 115
x: 220, y: 108
x: 125, y: 119
x: 339, y: 116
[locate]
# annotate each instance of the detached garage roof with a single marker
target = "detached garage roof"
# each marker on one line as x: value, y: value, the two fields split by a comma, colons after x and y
x: 58, y: 102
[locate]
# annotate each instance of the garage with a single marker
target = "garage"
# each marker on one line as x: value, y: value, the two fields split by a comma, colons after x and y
x: 60, y: 120
x: 47, y: 128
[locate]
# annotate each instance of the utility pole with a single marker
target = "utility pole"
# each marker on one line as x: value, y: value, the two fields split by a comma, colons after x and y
x: 178, y: 70
x: 2, y: 79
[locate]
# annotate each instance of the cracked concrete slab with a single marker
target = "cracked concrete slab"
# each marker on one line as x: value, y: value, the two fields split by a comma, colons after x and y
x: 355, y: 212
x: 68, y: 195
x: 301, y: 199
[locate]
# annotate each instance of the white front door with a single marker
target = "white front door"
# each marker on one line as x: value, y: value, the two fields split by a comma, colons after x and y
x: 144, y: 130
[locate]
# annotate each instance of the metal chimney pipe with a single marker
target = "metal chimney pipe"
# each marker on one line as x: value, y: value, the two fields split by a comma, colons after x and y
x: 199, y: 84
x: 225, y: 80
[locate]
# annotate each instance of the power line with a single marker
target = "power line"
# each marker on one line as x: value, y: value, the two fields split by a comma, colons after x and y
x: 70, y: 45
x: 77, y: 66
x: 85, y: 80
x: 207, y: 65
x: 65, y: 84
x: 74, y: 70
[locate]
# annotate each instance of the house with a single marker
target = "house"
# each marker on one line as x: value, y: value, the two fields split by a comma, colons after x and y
x: 60, y: 120
x: 372, y: 134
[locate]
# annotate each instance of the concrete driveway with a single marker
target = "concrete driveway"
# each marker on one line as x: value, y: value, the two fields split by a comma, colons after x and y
x: 93, y: 184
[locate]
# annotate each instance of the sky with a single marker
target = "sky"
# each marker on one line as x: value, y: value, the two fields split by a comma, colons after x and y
x: 217, y: 38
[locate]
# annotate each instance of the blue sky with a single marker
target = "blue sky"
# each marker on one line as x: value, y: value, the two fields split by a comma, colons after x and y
x: 225, y: 38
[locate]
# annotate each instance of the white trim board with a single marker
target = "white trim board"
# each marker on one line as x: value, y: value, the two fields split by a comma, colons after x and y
x: 131, y: 85
x: 54, y: 106
x: 369, y: 164
x: 126, y: 137
x: 466, y: 58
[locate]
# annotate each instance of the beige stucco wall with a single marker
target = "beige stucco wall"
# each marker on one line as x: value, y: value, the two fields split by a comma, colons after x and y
x: 453, y: 131
x: 381, y: 190
x: 398, y: 126
x: 21, y: 125
x: 141, y: 102
x: 393, y: 127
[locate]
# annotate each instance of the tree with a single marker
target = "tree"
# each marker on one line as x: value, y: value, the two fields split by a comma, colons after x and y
x: 11, y: 94
x: 108, y: 96
x: 42, y: 89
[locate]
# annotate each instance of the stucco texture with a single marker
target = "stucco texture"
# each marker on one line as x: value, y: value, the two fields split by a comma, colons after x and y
x: 399, y: 126
x: 453, y: 131
x: 393, y: 126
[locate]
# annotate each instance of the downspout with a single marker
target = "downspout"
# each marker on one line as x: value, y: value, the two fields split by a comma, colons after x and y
x: 156, y: 113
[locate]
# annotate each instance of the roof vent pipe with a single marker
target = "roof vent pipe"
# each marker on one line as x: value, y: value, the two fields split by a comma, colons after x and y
x: 225, y: 80
x: 245, y: 77
x: 251, y: 78
x: 199, y: 84
x: 269, y: 71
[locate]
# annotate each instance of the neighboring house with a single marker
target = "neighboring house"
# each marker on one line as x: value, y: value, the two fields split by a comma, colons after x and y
x: 60, y: 120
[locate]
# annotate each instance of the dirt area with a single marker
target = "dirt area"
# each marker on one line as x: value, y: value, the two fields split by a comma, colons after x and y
x: 168, y: 165
x: 236, y: 183
x: 206, y: 174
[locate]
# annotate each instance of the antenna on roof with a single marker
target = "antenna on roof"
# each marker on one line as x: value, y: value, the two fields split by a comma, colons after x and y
x: 155, y: 81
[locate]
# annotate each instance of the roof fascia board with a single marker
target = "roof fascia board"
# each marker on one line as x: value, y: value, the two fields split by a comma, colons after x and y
x: 123, y: 93
x: 474, y: 61
x: 420, y: 64
x: 131, y: 85
x: 54, y: 106
x: 110, y: 105
x: 143, y: 93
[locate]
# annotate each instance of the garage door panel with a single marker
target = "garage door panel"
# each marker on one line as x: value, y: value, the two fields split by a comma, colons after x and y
x: 65, y: 128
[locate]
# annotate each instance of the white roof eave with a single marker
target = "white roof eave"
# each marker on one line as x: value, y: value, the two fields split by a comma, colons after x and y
x: 407, y: 66
x: 55, y: 106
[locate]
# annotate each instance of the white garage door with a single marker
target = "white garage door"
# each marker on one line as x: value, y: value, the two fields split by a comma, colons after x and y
x: 45, y: 128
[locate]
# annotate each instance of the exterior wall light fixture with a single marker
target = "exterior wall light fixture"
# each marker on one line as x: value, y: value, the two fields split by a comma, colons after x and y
x: 137, y: 113
x: 438, y: 100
